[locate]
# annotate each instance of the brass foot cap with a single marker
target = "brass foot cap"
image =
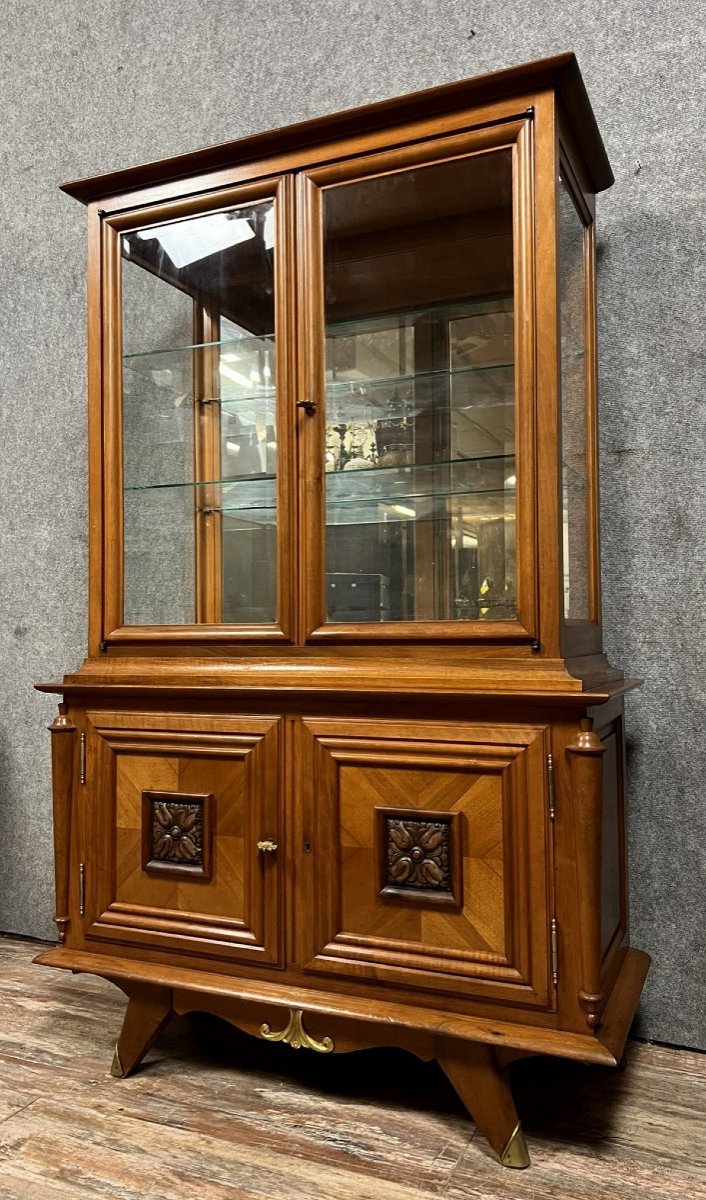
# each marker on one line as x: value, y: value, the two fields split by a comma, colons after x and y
x: 515, y: 1154
x: 116, y: 1068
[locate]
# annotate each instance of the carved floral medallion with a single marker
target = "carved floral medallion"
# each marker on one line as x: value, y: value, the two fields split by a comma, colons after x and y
x: 176, y: 833
x: 420, y: 854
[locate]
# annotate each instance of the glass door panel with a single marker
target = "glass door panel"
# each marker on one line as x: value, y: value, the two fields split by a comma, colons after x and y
x: 199, y: 421
x: 420, y: 394
x: 575, y: 510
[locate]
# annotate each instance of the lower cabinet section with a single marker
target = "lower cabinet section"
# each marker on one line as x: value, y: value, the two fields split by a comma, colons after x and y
x: 181, y: 825
x: 346, y: 882
x: 428, y: 856
x: 410, y: 854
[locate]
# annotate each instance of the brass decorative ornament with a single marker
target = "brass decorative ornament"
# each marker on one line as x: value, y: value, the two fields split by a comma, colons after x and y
x: 295, y: 1035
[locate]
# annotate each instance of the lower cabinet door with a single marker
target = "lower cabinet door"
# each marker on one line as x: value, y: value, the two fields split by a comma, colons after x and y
x: 425, y: 858
x: 180, y: 834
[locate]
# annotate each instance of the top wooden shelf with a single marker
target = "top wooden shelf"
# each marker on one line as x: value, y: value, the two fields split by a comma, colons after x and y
x: 560, y: 73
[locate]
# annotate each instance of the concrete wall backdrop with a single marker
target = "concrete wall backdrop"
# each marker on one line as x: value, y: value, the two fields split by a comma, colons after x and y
x: 87, y: 87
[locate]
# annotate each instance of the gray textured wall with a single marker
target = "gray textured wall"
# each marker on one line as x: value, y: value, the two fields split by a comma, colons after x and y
x: 88, y: 87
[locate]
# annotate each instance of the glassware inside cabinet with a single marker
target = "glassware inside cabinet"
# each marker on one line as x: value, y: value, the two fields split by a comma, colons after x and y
x: 420, y: 396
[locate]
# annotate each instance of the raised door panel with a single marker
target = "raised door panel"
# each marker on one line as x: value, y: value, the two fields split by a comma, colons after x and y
x: 176, y: 807
x: 429, y: 863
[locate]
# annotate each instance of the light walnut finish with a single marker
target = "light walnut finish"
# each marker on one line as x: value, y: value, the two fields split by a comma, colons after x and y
x: 372, y: 1019
x: 149, y: 1010
x: 392, y: 832
x: 484, y: 1089
x: 63, y: 746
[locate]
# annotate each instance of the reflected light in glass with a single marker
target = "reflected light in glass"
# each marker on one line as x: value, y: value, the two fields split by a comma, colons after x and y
x: 188, y: 241
x: 234, y: 375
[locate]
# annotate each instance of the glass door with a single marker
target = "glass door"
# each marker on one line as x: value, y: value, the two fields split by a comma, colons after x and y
x: 204, y: 497
x: 417, y: 345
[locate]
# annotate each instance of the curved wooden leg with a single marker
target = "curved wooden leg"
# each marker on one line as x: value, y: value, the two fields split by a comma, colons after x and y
x: 148, y: 1011
x: 482, y: 1084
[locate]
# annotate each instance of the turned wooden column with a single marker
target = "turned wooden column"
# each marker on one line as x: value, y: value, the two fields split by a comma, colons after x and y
x: 585, y: 755
x: 63, y: 743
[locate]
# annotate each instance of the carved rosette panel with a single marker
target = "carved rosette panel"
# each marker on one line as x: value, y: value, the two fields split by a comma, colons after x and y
x: 176, y: 833
x: 420, y: 855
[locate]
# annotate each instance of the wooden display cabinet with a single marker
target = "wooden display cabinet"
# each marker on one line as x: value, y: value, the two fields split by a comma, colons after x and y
x: 345, y: 762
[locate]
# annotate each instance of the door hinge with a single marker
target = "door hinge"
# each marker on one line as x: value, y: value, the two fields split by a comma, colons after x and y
x: 555, y: 951
x: 550, y: 787
x: 82, y: 759
x: 82, y: 889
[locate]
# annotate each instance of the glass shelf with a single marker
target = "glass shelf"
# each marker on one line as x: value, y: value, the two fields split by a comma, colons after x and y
x: 410, y: 395
x: 466, y: 508
x: 420, y: 479
x: 347, y: 477
x: 350, y: 399
x: 192, y: 483
x: 402, y: 317
x: 252, y: 494
x: 333, y: 386
x: 252, y: 506
x: 388, y: 486
x: 241, y: 369
x: 254, y: 339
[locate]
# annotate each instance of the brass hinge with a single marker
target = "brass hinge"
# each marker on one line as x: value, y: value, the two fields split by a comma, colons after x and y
x: 82, y: 759
x: 555, y: 951
x: 550, y: 787
x: 82, y: 889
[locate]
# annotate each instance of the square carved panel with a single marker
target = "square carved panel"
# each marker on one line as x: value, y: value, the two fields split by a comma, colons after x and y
x: 419, y: 855
x: 177, y: 833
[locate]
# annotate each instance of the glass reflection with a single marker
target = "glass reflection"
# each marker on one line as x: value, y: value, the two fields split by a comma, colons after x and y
x: 199, y: 424
x: 420, y: 440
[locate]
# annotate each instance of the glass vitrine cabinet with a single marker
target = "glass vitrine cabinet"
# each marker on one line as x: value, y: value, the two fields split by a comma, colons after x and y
x: 345, y: 762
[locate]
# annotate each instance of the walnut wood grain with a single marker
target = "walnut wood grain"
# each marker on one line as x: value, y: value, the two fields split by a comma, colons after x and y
x: 484, y: 1088
x: 299, y: 742
x: 585, y: 756
x: 561, y: 72
x: 149, y: 1010
x: 63, y: 746
x: 604, y: 1048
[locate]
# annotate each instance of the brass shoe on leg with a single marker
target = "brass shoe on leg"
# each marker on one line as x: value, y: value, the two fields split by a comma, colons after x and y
x: 515, y: 1154
x: 116, y: 1067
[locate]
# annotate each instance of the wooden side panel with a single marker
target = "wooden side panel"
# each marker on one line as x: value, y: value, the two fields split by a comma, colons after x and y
x: 63, y: 745
x: 428, y: 856
x: 176, y: 808
x: 614, y: 903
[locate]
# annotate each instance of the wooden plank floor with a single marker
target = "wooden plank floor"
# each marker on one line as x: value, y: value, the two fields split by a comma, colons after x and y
x: 217, y: 1115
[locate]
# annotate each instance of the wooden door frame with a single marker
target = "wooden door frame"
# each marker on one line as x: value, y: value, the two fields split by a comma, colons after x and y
x: 514, y: 134
x: 106, y: 465
x: 257, y: 742
x: 517, y: 753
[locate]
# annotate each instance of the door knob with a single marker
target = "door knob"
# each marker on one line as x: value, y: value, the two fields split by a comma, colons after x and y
x: 267, y: 846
